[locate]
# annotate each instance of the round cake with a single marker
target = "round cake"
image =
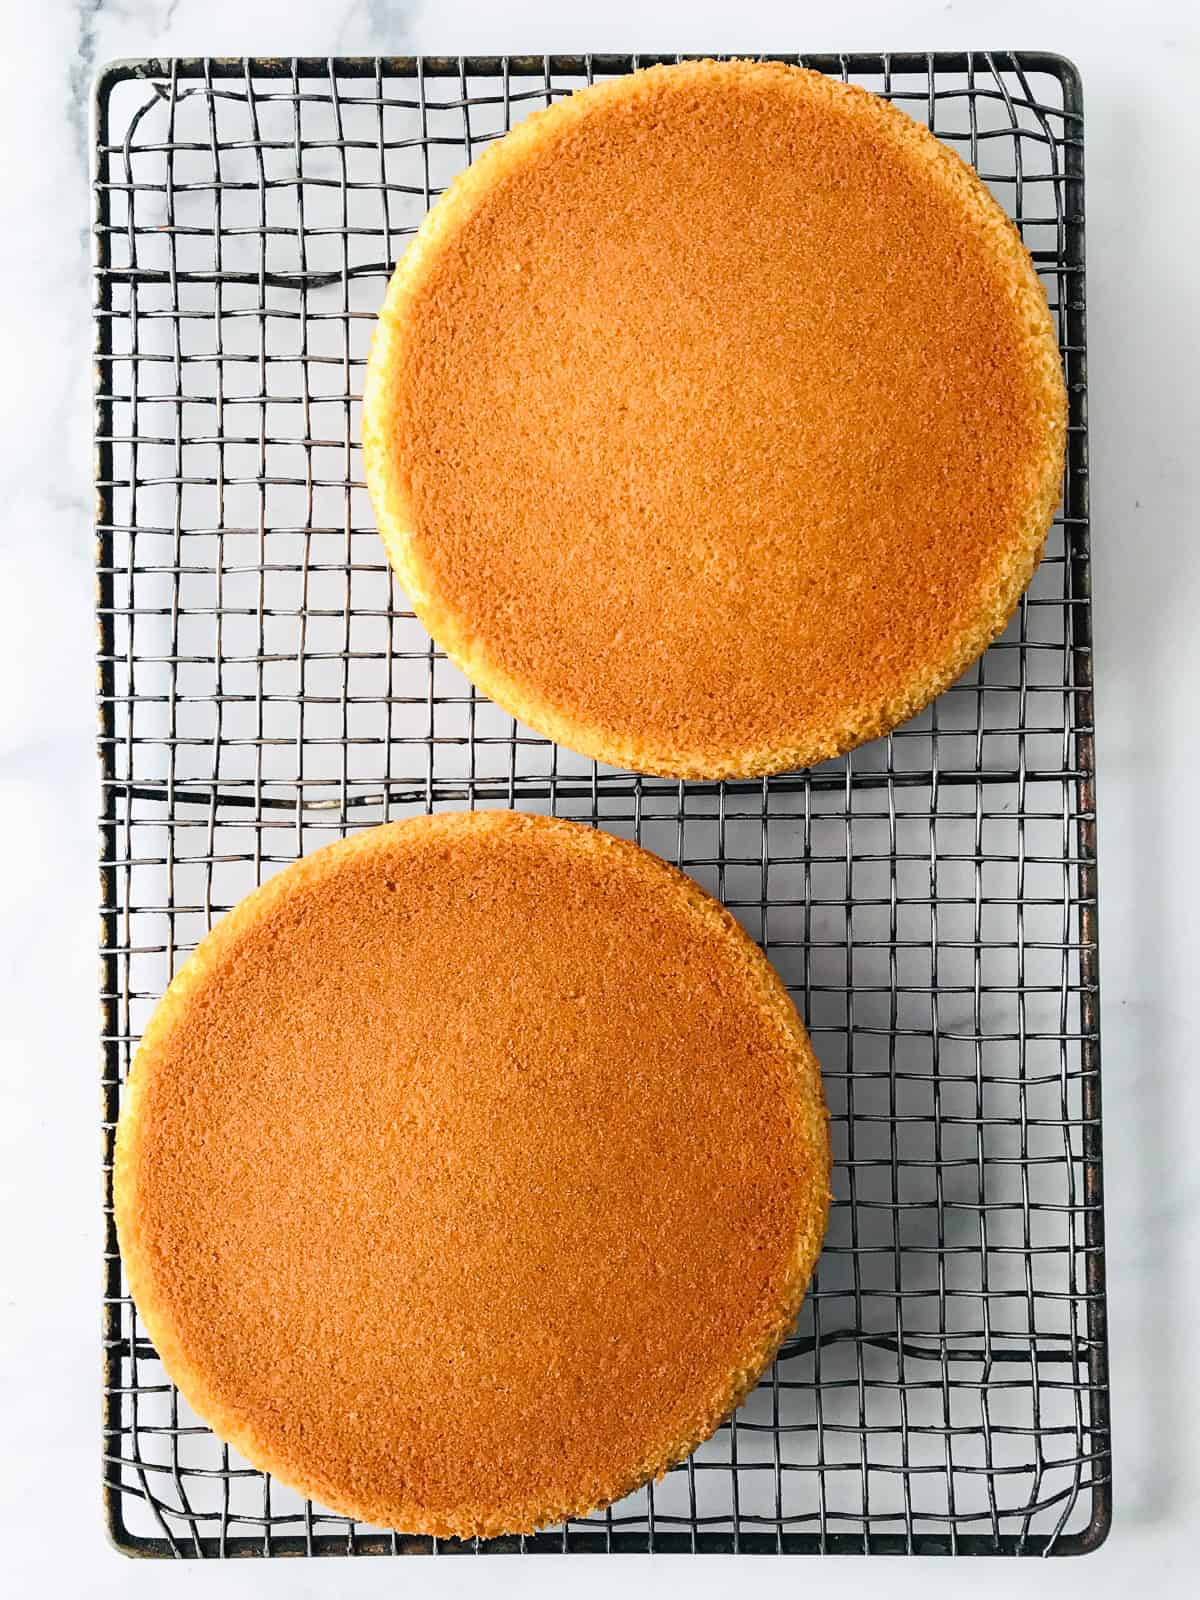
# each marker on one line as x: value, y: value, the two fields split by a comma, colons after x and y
x: 714, y: 420
x: 471, y: 1171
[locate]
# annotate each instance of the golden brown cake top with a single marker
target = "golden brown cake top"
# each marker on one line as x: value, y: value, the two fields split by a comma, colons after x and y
x: 715, y: 420
x: 471, y: 1171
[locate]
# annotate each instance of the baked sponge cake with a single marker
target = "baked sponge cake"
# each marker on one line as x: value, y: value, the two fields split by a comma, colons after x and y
x: 471, y: 1171
x: 714, y: 419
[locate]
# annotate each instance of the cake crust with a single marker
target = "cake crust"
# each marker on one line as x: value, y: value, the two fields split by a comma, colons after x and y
x: 470, y: 1172
x: 714, y: 420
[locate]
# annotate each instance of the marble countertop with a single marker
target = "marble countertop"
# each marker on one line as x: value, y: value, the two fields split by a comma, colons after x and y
x: 1139, y: 67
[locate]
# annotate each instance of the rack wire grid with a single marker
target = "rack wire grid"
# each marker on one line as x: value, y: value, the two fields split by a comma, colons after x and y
x: 929, y: 899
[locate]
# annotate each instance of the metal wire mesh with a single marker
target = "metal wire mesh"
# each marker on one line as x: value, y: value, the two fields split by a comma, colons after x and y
x: 930, y: 899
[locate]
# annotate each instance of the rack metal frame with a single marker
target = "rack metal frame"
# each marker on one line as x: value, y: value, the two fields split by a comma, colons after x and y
x: 930, y: 899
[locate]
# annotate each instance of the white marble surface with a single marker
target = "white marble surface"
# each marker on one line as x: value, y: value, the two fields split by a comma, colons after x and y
x: 1140, y: 64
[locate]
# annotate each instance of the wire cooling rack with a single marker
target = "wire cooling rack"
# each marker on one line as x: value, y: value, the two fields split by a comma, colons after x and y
x: 931, y: 899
